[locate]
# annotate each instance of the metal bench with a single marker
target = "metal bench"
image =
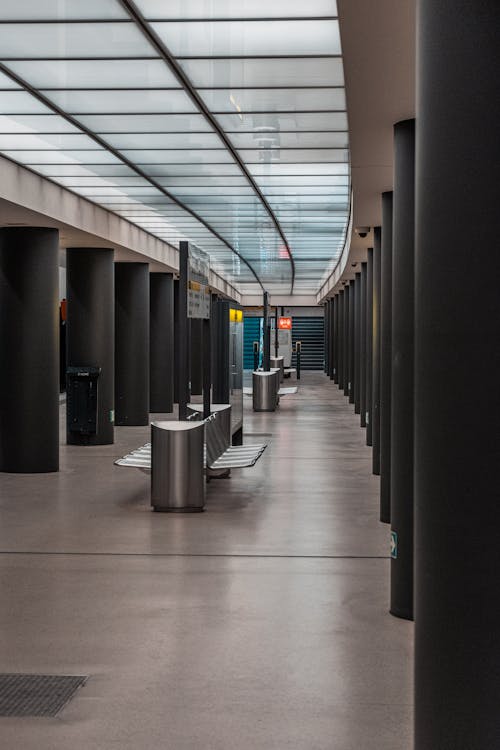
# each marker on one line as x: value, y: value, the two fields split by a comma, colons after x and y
x: 219, y: 454
x: 283, y: 391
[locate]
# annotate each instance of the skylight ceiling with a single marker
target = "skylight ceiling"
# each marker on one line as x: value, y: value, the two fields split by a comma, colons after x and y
x: 218, y: 121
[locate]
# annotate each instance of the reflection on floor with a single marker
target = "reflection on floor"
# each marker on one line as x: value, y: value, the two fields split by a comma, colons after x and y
x: 260, y: 624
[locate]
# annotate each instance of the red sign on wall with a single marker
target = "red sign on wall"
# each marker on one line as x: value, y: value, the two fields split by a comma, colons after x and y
x: 285, y: 324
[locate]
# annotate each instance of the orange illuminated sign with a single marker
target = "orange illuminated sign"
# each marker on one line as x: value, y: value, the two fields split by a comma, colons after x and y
x: 285, y: 324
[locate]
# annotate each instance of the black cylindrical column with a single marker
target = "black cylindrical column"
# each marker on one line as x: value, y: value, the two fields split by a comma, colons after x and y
x: 183, y: 332
x: 357, y: 345
x: 352, y: 338
x: 207, y: 366
x: 266, y: 339
x: 340, y: 347
x: 347, y: 358
x: 385, y: 358
x: 132, y: 343
x: 457, y: 435
x: 196, y: 355
x: 376, y: 351
x: 276, y: 332
x: 176, y: 341
x: 91, y: 332
x: 330, y: 338
x: 29, y: 349
x: 362, y: 347
x: 220, y: 352
x: 403, y: 321
x: 161, y: 342
x: 335, y: 347
x: 369, y: 345
x: 326, y: 336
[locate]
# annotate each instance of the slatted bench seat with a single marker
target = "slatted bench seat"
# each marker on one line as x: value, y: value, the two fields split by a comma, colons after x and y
x: 218, y: 454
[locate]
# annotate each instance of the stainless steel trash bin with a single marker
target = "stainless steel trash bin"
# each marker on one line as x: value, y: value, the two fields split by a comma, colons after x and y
x: 265, y: 389
x: 177, y: 477
x: 279, y: 362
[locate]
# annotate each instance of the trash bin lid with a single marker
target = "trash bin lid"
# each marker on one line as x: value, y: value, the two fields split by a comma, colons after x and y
x: 176, y: 426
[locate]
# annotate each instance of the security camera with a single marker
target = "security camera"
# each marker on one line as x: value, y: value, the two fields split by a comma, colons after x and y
x: 362, y: 231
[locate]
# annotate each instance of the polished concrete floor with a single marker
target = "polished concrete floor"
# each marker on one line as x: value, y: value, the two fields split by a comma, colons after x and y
x: 260, y: 624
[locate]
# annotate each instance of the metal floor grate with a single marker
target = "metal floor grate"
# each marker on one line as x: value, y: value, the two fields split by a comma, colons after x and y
x: 37, y: 694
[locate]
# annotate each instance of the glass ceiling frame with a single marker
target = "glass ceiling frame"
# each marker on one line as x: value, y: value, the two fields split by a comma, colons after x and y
x: 240, y: 185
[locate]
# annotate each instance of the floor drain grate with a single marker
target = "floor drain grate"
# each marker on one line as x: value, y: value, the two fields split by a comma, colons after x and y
x: 37, y: 694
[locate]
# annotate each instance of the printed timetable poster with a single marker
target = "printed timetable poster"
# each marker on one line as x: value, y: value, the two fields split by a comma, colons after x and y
x: 198, y: 289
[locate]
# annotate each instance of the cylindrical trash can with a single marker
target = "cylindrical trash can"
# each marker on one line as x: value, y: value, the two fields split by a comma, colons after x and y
x: 265, y: 387
x: 177, y: 471
x: 279, y: 362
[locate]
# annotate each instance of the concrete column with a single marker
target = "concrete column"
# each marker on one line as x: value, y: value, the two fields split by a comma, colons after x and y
x: 220, y: 350
x: 335, y: 350
x: 347, y: 358
x: 357, y: 345
x: 29, y: 349
x: 326, y: 337
x: 403, y: 342
x: 457, y: 330
x: 352, y: 338
x: 369, y: 345
x: 91, y: 331
x: 376, y: 351
x: 132, y: 343
x: 176, y: 341
x: 161, y: 342
x: 196, y: 356
x: 362, y: 346
x: 183, y: 332
x: 341, y: 340
x: 385, y: 358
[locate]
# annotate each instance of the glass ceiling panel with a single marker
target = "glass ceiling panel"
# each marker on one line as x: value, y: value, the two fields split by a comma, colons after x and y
x: 20, y: 103
x: 7, y: 83
x: 249, y: 122
x: 60, y: 10
x: 75, y: 170
x: 35, y: 124
x: 155, y: 9
x: 250, y: 72
x: 20, y: 41
x: 217, y: 190
x: 274, y: 100
x: 72, y: 74
x: 184, y: 157
x: 232, y: 38
x: 94, y: 181
x: 169, y: 170
x: 296, y: 139
x: 213, y: 181
x: 164, y: 140
x: 122, y: 102
x: 337, y: 185
x: 294, y: 155
x: 45, y: 141
x: 164, y: 123
x: 100, y: 156
x: 275, y: 169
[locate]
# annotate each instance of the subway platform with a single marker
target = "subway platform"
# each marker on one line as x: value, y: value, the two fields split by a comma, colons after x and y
x: 261, y: 623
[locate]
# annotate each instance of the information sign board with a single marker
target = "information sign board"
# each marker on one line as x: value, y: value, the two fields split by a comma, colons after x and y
x: 198, y: 289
